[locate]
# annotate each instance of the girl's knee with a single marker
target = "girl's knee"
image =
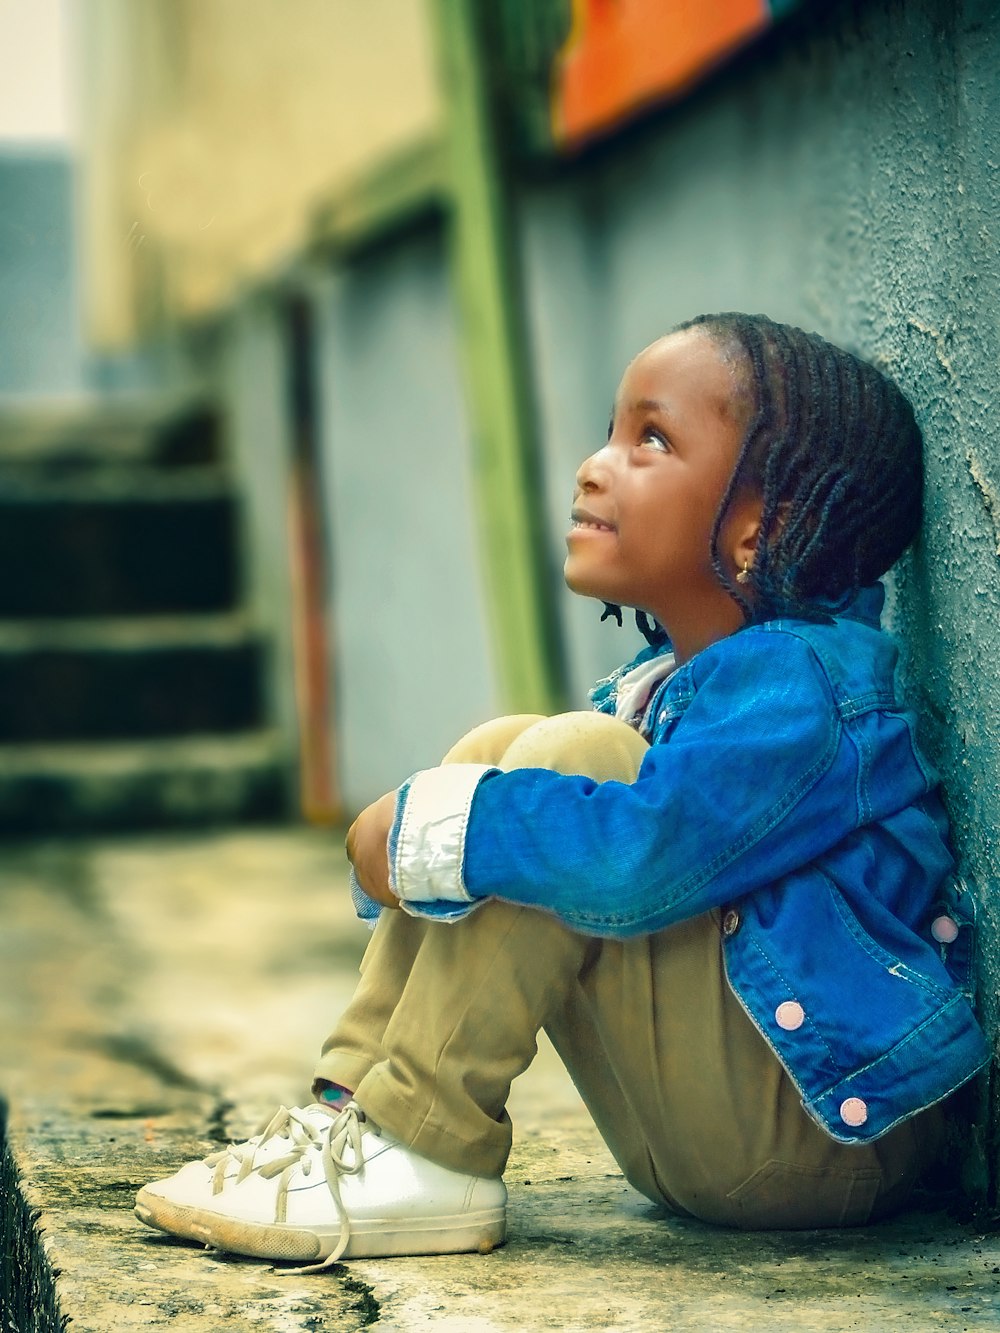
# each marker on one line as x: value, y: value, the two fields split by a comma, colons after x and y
x: 487, y: 743
x: 593, y: 744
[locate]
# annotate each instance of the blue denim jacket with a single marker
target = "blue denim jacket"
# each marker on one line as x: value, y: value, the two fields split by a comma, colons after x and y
x: 783, y: 787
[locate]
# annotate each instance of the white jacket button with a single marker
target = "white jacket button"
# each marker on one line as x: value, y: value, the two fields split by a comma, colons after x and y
x: 790, y: 1015
x: 853, y: 1112
x: 944, y: 930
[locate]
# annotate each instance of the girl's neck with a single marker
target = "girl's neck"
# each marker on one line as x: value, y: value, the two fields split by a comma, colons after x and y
x: 692, y: 633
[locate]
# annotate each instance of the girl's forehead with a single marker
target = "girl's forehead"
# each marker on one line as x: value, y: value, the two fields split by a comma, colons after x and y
x: 687, y: 364
x: 688, y: 345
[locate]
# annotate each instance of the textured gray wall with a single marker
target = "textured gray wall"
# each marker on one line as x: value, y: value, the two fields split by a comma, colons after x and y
x: 40, y: 341
x: 846, y: 177
x: 412, y: 664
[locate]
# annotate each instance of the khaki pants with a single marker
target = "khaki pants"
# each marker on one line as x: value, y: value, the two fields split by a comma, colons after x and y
x: 692, y: 1102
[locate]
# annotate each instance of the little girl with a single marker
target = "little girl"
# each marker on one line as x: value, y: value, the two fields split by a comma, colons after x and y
x: 724, y: 893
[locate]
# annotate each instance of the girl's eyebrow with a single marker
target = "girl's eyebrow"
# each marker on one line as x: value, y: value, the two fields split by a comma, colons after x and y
x: 663, y: 408
x: 652, y: 405
x: 640, y: 405
x: 643, y: 405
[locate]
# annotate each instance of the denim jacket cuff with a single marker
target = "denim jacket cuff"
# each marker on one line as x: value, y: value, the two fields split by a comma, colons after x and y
x: 365, y: 908
x: 427, y: 840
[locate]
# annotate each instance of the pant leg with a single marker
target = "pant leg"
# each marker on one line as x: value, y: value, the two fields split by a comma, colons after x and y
x: 487, y: 743
x: 465, y: 1016
x: 697, y: 1109
x: 355, y: 1045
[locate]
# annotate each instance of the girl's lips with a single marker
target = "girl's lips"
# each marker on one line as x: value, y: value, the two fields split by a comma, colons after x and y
x: 584, y: 521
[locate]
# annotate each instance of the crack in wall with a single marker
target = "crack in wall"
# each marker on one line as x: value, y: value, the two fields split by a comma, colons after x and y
x: 942, y: 346
x: 988, y: 493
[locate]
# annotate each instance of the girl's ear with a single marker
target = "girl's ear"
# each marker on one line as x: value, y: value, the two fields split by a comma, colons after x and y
x: 742, y: 531
x: 746, y: 546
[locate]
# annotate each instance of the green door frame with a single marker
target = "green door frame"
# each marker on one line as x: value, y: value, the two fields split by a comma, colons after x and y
x: 497, y: 372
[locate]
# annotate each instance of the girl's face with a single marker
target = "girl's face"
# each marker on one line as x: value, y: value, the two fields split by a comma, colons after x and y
x: 645, y: 504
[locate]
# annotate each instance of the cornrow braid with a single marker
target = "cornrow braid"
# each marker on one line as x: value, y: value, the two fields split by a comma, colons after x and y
x: 833, y: 449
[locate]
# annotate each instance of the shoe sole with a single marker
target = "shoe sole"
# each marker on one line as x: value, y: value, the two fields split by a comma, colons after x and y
x: 376, y: 1238
x: 176, y: 1219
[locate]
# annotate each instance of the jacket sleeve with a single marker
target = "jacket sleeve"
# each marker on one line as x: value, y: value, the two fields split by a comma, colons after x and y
x: 753, y: 782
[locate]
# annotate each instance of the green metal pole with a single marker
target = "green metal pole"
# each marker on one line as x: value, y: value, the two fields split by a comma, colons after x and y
x: 505, y: 456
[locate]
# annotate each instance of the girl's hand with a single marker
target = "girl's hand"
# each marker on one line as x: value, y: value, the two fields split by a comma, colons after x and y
x: 367, y: 849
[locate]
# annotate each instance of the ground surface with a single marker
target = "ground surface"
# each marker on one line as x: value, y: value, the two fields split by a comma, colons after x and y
x: 158, y: 996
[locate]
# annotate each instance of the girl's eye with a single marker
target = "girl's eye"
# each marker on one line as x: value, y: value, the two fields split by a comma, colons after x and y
x: 652, y: 439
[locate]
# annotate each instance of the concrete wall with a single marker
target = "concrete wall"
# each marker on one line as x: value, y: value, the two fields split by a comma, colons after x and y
x: 412, y: 664
x: 845, y: 176
x: 41, y: 350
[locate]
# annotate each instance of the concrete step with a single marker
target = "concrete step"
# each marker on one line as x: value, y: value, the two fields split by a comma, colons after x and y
x: 109, y: 479
x: 147, y: 428
x: 199, y: 780
x: 116, y: 541
x: 114, y: 679
x: 132, y: 690
x: 161, y: 995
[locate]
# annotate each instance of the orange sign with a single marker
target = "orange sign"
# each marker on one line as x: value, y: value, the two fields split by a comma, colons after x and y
x: 622, y: 55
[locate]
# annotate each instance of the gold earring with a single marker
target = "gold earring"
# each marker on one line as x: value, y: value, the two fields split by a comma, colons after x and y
x: 744, y: 575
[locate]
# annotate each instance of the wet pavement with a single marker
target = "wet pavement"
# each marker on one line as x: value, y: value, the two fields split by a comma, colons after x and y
x: 160, y: 995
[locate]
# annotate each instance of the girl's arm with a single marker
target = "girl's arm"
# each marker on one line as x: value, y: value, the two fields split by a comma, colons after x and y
x: 758, y: 779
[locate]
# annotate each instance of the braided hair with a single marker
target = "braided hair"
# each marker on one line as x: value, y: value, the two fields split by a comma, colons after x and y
x: 833, y: 450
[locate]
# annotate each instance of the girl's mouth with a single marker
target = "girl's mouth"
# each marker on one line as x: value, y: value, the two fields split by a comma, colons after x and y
x: 583, y: 521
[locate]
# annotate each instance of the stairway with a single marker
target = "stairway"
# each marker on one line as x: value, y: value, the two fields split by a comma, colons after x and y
x: 132, y: 679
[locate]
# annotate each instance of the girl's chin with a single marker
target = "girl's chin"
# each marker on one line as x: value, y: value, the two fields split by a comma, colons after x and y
x: 584, y: 587
x: 578, y: 582
x: 588, y: 579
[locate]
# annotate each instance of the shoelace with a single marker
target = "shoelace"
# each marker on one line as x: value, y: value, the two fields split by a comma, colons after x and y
x: 331, y: 1143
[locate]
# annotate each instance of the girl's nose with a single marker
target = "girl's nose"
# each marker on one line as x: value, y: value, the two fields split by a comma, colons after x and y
x: 590, y: 473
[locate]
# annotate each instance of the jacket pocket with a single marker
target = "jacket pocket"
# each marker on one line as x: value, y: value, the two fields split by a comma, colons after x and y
x: 783, y: 1195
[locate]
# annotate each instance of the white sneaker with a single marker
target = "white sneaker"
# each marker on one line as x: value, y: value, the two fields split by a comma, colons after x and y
x: 321, y: 1185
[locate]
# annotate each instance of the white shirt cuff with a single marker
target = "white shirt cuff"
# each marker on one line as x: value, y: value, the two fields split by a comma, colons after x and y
x: 427, y: 845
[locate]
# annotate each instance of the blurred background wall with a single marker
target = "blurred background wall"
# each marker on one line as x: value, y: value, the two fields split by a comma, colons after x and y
x: 212, y: 128
x: 41, y: 344
x: 372, y: 273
